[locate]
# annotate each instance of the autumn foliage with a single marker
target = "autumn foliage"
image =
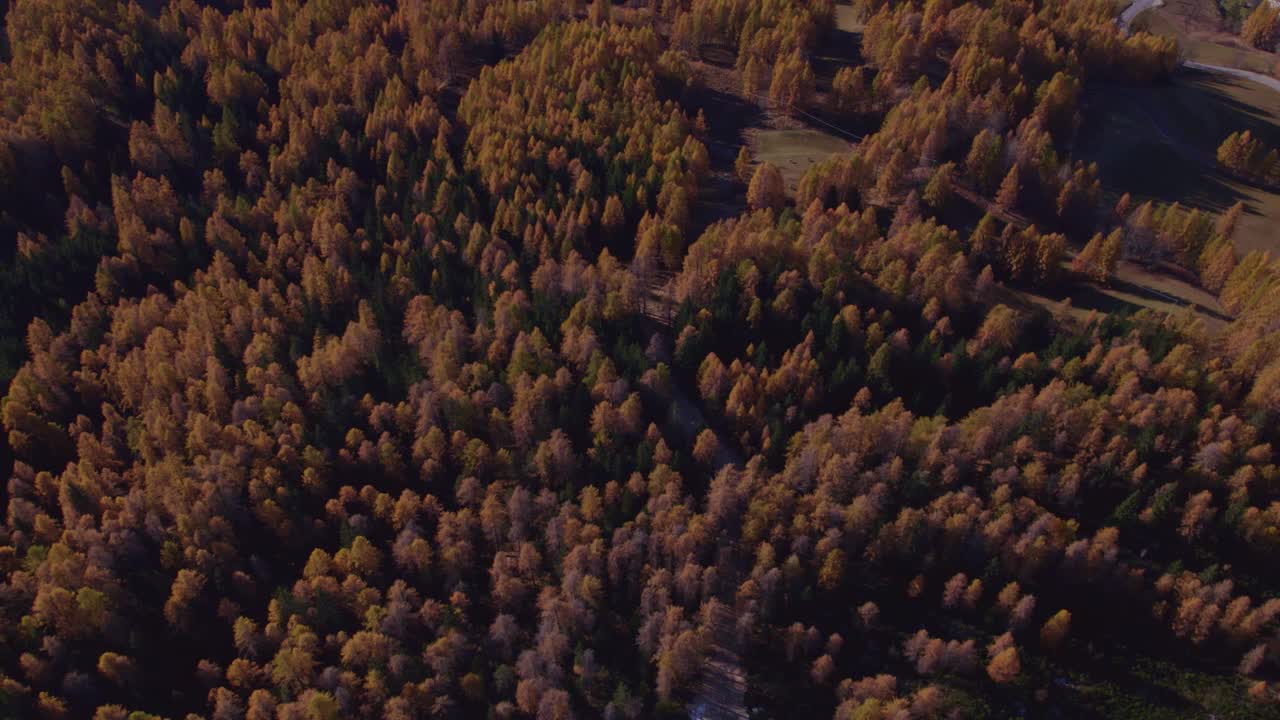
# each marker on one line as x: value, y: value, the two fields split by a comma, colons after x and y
x: 384, y: 360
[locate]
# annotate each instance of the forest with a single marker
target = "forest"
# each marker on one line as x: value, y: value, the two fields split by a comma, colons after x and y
x: 392, y: 360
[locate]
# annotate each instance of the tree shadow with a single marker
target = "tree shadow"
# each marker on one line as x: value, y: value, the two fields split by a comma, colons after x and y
x: 1160, y: 141
x: 719, y: 54
x: 851, y: 129
x: 837, y: 49
x: 1153, y: 295
x: 1125, y: 672
x: 728, y: 117
x: 1086, y: 296
x: 1212, y: 92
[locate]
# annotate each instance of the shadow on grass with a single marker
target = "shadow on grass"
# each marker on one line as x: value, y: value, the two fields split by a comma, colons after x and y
x: 1087, y: 296
x: 838, y: 49
x: 728, y: 117
x: 1224, y: 97
x: 849, y: 129
x: 1084, y: 296
x: 1156, y: 296
x: 1160, y: 141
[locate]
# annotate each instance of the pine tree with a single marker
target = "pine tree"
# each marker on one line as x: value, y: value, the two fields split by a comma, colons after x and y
x: 1221, y: 263
x: 1123, y: 206
x: 848, y: 90
x: 751, y: 72
x: 706, y: 447
x: 613, y: 217
x: 1112, y: 248
x: 891, y: 177
x: 983, y: 162
x: 935, y: 142
x: 1055, y: 630
x: 982, y: 241
x: 601, y: 11
x: 1226, y: 225
x: 1230, y: 153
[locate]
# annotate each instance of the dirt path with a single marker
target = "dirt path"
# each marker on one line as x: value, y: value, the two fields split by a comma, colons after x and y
x: 1263, y: 80
x: 1140, y: 6
x: 980, y: 201
x: 1133, y: 11
x: 720, y: 694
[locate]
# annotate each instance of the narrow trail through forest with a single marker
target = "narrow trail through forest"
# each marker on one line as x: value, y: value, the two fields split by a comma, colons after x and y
x: 720, y: 694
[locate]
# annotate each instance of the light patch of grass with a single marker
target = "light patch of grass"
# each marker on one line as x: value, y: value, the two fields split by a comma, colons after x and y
x: 1210, y: 48
x: 1166, y: 283
x: 795, y: 151
x: 848, y: 20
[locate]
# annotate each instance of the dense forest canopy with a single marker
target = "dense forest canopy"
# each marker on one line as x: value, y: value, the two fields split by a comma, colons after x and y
x: 384, y: 360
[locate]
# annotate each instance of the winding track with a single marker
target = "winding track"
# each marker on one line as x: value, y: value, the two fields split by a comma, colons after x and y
x: 1136, y: 9
x: 720, y: 693
x: 1140, y: 6
x: 1264, y: 80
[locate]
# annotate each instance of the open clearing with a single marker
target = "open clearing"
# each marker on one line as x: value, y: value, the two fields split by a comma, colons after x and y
x: 1133, y: 288
x: 1203, y: 37
x: 1146, y: 287
x: 1160, y: 143
x: 795, y: 151
x: 847, y: 19
x: 1192, y: 115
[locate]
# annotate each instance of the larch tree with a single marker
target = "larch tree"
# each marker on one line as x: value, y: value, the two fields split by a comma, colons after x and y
x: 1005, y: 666
x: 613, y: 217
x: 1010, y: 190
x: 1055, y: 629
x: 766, y: 190
x: 1262, y: 28
x: 1088, y: 261
x: 938, y: 191
x: 706, y: 447
x: 742, y: 164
